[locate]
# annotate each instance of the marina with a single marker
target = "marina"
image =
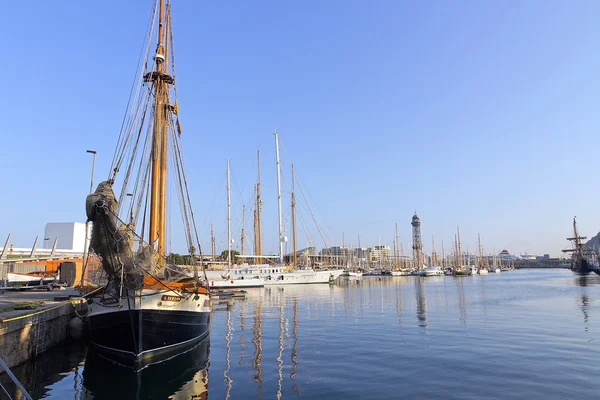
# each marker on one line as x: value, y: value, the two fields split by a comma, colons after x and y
x: 293, y: 340
x: 309, y: 203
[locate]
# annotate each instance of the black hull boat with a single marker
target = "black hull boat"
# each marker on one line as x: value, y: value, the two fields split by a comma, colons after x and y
x: 145, y: 307
x: 166, y: 324
x: 142, y: 336
x: 581, y: 267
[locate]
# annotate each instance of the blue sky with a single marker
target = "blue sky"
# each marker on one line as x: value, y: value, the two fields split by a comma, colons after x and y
x: 482, y: 114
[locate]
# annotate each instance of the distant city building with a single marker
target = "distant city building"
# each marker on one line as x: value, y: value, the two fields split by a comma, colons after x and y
x: 309, y: 251
x: 506, y: 256
x: 338, y: 251
x: 380, y: 253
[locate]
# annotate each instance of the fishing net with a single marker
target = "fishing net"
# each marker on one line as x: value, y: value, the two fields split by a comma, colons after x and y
x: 121, y: 254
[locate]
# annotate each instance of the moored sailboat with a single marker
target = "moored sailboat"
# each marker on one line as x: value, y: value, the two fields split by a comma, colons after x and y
x: 582, y: 261
x: 146, y: 308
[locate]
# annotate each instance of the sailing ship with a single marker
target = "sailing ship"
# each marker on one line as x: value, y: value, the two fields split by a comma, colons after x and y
x: 235, y: 278
x: 146, y: 308
x: 482, y: 268
x: 582, y: 261
x: 259, y: 274
x: 459, y: 269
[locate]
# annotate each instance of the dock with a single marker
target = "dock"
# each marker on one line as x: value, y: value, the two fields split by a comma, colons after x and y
x: 32, y: 322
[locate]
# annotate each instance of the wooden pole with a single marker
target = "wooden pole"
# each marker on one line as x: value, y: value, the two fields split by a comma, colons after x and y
x: 294, y: 220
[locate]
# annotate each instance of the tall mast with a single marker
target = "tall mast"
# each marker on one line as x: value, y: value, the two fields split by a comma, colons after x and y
x: 480, y: 255
x: 243, y: 221
x: 212, y: 241
x: 433, y: 253
x: 228, y: 221
x: 294, y: 220
x: 258, y: 207
x: 443, y: 255
x: 396, y: 248
x: 459, y: 252
x: 279, y: 198
x: 254, y: 226
x: 161, y: 80
x: 343, y: 250
x: 402, y: 254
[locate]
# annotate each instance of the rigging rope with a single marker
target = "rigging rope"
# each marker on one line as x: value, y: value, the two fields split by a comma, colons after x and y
x: 114, y: 165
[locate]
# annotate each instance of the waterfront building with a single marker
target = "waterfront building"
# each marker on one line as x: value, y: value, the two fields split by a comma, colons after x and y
x: 378, y: 253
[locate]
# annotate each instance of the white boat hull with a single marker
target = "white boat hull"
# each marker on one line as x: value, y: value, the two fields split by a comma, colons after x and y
x: 236, y: 283
x: 248, y: 276
x: 28, y: 281
x: 432, y: 271
x: 483, y: 271
x: 400, y: 273
x: 299, y: 277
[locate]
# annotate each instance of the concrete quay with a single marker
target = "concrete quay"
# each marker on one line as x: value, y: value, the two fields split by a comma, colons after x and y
x: 25, y: 333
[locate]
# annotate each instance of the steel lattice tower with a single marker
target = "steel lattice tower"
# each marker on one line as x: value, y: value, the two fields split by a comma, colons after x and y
x: 417, y: 242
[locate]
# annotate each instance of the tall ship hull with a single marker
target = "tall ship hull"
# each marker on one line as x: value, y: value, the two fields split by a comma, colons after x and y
x: 581, y: 266
x: 152, y: 326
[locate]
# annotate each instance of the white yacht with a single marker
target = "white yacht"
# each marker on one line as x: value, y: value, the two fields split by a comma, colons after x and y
x: 431, y: 271
x: 354, y: 274
x: 483, y: 271
x: 265, y: 275
x: 401, y: 273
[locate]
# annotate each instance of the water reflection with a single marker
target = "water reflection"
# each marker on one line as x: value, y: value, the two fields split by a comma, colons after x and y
x: 399, y: 305
x: 584, y: 300
x: 257, y: 342
x: 242, y: 332
x: 280, y: 354
x: 587, y: 280
x: 462, y: 304
x: 295, y: 348
x: 54, y: 366
x: 184, y: 376
x: 228, y: 380
x: 421, y: 303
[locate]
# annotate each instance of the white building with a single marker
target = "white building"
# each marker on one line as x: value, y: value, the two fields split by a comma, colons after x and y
x: 380, y: 253
x: 71, y: 235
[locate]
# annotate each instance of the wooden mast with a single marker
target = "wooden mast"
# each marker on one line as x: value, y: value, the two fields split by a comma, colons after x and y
x: 212, y: 242
x: 161, y: 80
x: 243, y: 220
x: 228, y: 222
x: 254, y: 229
x: 480, y: 254
x: 294, y: 220
x: 396, y: 248
x: 258, y: 206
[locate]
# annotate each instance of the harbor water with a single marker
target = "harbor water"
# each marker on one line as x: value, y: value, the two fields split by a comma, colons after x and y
x: 513, y: 335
